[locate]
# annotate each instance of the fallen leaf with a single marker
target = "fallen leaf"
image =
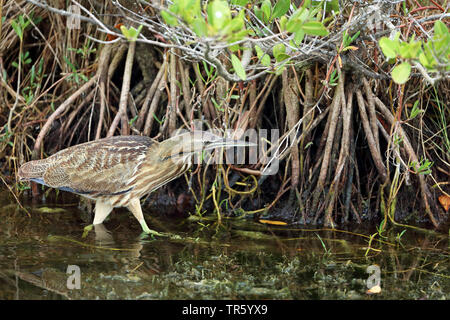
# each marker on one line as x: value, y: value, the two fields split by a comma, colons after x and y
x: 278, y: 223
x: 111, y: 37
x: 445, y: 201
x: 49, y: 210
x: 374, y: 290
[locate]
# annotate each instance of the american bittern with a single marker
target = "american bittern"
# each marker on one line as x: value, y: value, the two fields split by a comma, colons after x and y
x: 118, y: 171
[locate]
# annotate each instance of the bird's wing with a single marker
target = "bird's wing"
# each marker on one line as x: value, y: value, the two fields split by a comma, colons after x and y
x: 97, y: 168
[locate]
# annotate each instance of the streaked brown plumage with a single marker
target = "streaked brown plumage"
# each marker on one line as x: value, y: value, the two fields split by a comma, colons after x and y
x: 118, y: 171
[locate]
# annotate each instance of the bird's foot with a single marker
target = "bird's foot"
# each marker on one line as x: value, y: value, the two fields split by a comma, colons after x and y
x: 86, y: 230
x: 154, y: 234
x: 148, y: 231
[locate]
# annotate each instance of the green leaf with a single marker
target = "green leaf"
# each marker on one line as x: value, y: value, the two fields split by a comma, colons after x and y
x: 41, y: 65
x: 258, y: 13
x: 389, y: 47
x: 82, y: 76
x: 17, y: 29
x: 157, y: 119
x: 441, y: 47
x: 278, y: 49
x: 238, y: 35
x: 265, y: 61
x: 216, y: 105
x: 218, y: 14
x: 32, y: 74
x: 234, y: 48
x: 70, y: 64
x: 331, y: 5
x: 133, y: 120
x: 296, y: 20
x: 293, y: 25
x: 266, y: 9
x: 132, y: 33
x: 426, y: 61
x: 315, y: 28
x: 241, y: 3
x: 169, y: 18
x: 356, y: 35
x: 281, y: 8
x: 199, y: 26
x: 259, y: 51
x: 283, y: 22
x: 415, y: 110
x: 333, y: 78
x: 300, y: 14
x: 189, y: 10
x: 299, y: 36
x: 440, y: 29
x: 280, y: 69
x: 235, y: 25
x: 400, y: 73
x: 282, y: 57
x: 238, y: 68
x: 279, y: 52
x: 265, y: 58
x: 410, y: 50
x: 125, y: 31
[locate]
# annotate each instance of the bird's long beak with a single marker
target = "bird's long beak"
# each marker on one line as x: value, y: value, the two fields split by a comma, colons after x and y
x: 228, y: 143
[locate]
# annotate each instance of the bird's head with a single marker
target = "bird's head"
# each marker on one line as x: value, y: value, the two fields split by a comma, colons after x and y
x: 183, y: 146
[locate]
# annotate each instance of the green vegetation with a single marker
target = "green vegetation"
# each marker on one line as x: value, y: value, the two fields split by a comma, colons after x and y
x: 433, y: 54
x: 358, y: 93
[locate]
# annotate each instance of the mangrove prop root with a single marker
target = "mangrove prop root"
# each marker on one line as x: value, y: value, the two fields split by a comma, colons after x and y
x: 409, y: 149
x: 122, y: 114
x: 103, y: 72
x: 376, y: 156
x: 292, y: 113
x: 334, y: 118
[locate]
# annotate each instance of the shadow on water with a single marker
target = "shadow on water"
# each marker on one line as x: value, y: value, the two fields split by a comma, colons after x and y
x: 239, y: 259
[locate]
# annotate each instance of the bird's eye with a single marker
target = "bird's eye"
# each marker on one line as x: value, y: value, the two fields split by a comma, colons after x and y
x: 174, y: 155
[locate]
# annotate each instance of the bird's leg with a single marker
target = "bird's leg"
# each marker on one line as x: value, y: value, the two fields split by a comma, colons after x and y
x: 102, y: 210
x: 135, y: 208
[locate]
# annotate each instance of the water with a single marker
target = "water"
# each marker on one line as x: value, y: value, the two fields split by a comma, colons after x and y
x: 238, y: 259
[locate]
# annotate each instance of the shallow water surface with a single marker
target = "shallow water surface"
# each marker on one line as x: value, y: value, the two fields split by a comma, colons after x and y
x: 237, y: 259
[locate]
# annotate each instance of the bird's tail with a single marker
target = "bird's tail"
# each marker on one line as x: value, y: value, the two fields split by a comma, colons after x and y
x: 32, y: 170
